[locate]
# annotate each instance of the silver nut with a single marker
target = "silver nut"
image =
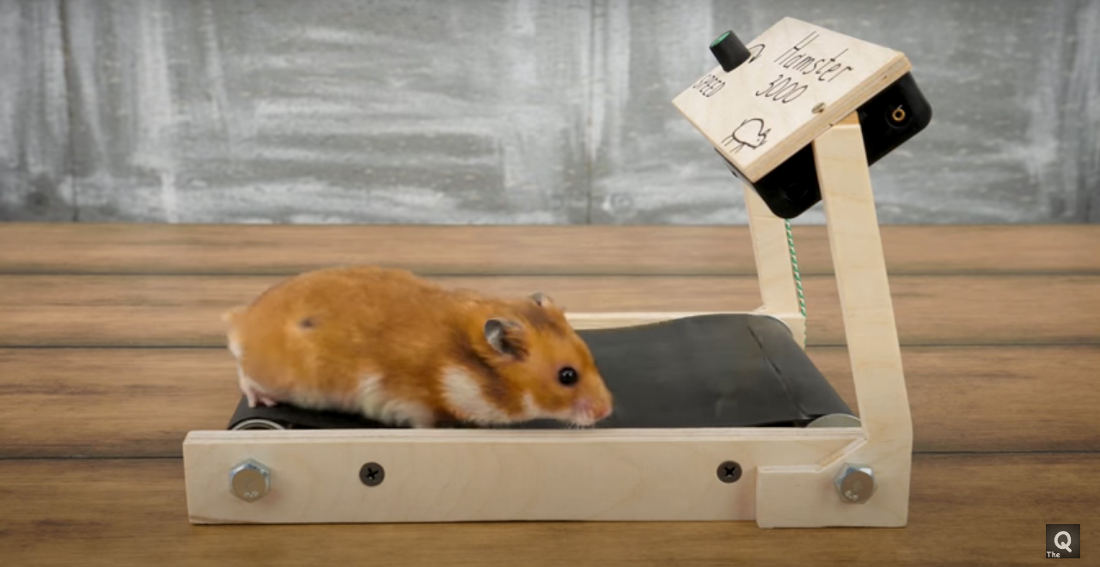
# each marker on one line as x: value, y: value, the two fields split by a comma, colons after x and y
x: 855, y: 483
x: 250, y: 480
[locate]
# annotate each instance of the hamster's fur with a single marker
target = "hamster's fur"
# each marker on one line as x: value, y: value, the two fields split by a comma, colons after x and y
x: 402, y: 350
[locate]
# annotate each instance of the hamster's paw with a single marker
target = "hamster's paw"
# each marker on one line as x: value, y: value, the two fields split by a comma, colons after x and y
x: 252, y: 391
x: 421, y: 422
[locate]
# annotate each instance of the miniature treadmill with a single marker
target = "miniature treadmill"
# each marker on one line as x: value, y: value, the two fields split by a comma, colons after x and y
x: 718, y: 416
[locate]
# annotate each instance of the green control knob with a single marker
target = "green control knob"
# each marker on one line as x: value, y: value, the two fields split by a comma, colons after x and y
x: 729, y: 51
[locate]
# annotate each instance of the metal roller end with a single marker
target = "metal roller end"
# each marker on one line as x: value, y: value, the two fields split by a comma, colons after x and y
x: 256, y: 423
x: 835, y: 420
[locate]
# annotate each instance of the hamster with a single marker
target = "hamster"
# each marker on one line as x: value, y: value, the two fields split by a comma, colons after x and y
x: 404, y: 351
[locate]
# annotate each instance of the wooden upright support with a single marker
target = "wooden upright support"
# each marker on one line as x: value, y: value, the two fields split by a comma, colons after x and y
x: 796, y: 496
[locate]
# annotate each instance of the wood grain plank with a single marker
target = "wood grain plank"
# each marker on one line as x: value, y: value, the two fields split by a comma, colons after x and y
x: 142, y: 402
x: 992, y: 398
x: 726, y: 250
x: 156, y: 310
x: 966, y: 510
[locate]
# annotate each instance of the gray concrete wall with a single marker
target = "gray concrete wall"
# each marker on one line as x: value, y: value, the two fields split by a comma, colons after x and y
x: 505, y: 111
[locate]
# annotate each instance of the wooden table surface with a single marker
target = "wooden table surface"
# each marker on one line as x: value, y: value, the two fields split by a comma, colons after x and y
x: 111, y: 350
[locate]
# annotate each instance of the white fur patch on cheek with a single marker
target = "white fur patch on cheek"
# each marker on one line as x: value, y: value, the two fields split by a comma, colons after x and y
x: 463, y: 394
x: 531, y: 410
x: 378, y: 404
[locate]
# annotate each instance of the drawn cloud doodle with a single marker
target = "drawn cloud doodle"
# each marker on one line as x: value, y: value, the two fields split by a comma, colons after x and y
x: 750, y: 133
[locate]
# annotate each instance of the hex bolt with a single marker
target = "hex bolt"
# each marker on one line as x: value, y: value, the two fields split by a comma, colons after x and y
x: 372, y: 474
x: 729, y: 471
x: 855, y: 483
x: 250, y: 480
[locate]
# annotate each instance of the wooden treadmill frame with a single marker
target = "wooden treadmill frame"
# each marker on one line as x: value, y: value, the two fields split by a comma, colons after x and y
x: 620, y: 474
x: 788, y: 478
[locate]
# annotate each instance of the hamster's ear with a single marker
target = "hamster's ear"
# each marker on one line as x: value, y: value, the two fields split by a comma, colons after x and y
x: 230, y: 317
x: 542, y: 299
x: 506, y: 337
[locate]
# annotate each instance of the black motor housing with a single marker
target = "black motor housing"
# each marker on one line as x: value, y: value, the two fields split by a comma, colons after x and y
x: 887, y: 121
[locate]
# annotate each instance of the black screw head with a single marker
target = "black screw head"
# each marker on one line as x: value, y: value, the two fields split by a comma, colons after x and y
x: 372, y: 474
x: 729, y: 471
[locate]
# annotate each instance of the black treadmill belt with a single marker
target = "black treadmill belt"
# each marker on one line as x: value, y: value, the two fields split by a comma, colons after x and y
x: 735, y: 370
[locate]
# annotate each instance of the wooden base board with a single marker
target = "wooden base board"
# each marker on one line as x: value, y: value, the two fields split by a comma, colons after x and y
x: 462, y: 475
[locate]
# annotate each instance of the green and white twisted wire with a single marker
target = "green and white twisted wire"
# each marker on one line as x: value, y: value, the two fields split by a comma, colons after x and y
x: 794, y: 267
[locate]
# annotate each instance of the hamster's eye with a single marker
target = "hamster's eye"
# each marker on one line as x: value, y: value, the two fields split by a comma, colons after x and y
x: 567, y: 376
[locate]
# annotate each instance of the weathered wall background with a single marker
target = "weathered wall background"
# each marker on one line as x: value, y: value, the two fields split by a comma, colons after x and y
x: 505, y: 111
